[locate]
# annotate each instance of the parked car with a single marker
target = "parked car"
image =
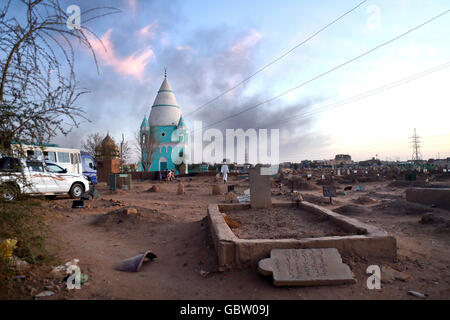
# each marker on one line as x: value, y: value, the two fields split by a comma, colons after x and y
x: 35, y: 177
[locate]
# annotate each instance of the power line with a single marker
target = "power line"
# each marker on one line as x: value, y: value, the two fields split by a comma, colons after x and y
x: 367, y: 93
x: 276, y: 60
x: 331, y: 70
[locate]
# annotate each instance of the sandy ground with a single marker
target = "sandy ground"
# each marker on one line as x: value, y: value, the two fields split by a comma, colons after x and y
x: 174, y: 228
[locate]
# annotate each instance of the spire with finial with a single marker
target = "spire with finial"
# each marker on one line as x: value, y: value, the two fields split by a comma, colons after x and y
x: 165, y: 72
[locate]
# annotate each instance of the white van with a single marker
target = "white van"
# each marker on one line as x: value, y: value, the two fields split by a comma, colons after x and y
x: 36, y: 177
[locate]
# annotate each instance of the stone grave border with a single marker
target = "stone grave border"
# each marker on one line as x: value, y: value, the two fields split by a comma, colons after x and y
x: 233, y: 252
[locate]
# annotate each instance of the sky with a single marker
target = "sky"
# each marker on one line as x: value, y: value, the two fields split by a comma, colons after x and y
x: 210, y: 46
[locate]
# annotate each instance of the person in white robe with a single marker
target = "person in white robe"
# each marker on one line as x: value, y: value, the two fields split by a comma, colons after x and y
x: 224, y: 170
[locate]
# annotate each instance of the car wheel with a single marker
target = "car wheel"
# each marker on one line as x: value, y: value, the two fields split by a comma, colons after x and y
x: 77, y: 190
x: 9, y: 192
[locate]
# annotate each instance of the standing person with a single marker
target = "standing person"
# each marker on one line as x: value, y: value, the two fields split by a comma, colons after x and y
x: 224, y: 170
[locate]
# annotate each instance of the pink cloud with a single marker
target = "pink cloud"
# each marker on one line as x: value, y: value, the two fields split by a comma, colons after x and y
x: 243, y: 45
x: 149, y: 31
x: 133, y: 65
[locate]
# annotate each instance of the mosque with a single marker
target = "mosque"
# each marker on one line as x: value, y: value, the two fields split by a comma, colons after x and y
x: 164, y: 136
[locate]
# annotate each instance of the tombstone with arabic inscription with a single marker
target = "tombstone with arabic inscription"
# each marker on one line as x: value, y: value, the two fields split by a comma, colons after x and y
x: 306, y: 267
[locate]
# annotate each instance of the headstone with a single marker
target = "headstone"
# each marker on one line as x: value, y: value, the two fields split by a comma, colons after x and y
x: 259, y: 189
x: 180, y: 188
x: 339, y: 172
x: 306, y: 267
x: 329, y: 191
x: 217, y: 190
x: 231, y: 197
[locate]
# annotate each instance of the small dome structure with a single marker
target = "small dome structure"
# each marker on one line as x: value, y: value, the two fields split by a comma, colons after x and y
x: 107, y: 149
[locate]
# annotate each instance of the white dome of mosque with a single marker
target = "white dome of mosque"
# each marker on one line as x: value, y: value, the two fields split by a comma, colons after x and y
x: 165, y: 110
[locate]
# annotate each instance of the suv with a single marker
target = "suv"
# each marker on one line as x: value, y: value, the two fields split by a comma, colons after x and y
x: 38, y: 178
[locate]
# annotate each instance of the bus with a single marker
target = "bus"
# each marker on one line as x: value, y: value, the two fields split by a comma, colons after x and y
x: 69, y: 159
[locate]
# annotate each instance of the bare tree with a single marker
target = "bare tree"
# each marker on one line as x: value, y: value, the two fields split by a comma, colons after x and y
x: 38, y: 88
x: 92, y: 142
x: 146, y: 146
x: 125, y: 151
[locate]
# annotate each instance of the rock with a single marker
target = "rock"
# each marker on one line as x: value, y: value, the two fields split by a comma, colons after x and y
x: 297, y: 197
x: 44, y: 294
x: 389, y: 275
x: 180, y: 188
x: 18, y: 264
x: 154, y: 188
x: 58, y: 272
x: 430, y: 218
x: 217, y: 190
x: 231, y: 197
x: 130, y: 211
x: 417, y: 294
x: 306, y: 267
x: 204, y: 273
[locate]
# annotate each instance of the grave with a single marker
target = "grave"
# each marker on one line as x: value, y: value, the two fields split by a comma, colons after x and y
x: 306, y: 267
x: 260, y: 195
x: 357, y: 238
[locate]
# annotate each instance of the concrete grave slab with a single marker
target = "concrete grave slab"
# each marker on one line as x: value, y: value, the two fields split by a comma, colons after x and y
x: 233, y: 252
x: 306, y: 267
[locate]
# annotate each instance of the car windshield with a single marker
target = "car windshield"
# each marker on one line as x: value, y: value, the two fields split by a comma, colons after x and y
x: 51, y: 167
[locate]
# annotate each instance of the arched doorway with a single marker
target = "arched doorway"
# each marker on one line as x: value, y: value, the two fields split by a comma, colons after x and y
x: 162, y: 163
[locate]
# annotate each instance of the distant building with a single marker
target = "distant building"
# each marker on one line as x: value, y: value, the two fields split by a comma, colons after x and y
x: 341, y: 159
x: 107, y: 149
